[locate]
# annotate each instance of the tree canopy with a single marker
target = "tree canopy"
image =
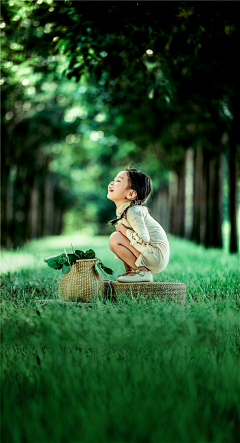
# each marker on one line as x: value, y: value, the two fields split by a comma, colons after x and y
x: 160, y: 77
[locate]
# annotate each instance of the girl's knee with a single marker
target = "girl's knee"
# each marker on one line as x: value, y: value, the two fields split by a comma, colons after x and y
x: 111, y: 244
x: 114, y: 239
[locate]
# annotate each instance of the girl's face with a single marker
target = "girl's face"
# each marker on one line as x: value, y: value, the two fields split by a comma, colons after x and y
x: 118, y: 189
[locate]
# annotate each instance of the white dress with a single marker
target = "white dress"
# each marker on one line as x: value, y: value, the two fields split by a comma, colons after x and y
x: 147, y: 236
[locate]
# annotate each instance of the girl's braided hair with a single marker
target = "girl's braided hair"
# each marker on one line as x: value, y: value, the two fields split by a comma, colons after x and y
x: 142, y: 184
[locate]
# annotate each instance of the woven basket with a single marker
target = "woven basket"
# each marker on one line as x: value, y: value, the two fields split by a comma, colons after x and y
x: 82, y: 283
x: 161, y: 290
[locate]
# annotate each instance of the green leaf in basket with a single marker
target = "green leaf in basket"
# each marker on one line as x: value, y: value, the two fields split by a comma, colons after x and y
x: 62, y: 259
x: 89, y: 254
x: 97, y: 266
x: 52, y: 259
x: 66, y: 269
x: 79, y: 253
x: 52, y: 262
x: 100, y: 267
x: 72, y: 258
x: 55, y: 266
x: 105, y: 269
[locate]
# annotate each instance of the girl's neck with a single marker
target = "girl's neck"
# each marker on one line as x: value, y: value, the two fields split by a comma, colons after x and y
x: 118, y: 204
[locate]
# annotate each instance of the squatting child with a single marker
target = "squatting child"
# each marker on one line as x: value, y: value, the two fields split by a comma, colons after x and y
x: 140, y: 241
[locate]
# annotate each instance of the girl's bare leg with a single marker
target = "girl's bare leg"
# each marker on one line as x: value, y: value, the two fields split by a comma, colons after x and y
x: 120, y: 245
x: 127, y: 268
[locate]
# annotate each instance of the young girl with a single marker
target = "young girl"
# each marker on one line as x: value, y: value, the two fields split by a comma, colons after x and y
x: 140, y: 241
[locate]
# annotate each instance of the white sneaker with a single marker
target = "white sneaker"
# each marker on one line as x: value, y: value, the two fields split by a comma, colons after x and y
x: 139, y: 276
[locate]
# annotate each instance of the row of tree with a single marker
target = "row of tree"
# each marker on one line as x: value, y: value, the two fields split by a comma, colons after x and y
x: 190, y: 204
x: 166, y: 81
x: 172, y: 73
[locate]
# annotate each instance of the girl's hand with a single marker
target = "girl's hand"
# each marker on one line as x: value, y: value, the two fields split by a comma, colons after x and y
x: 121, y: 228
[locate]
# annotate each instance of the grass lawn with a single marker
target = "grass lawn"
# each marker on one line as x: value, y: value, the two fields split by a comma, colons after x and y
x: 129, y: 371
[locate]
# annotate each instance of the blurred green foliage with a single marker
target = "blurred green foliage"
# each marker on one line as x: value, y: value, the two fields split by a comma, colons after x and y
x: 87, y: 91
x: 66, y: 126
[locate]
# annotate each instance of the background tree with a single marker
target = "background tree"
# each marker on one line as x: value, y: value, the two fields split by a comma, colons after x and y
x: 163, y: 84
x: 32, y: 118
x: 193, y: 64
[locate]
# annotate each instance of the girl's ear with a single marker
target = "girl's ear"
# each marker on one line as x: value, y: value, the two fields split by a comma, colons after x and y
x: 132, y: 195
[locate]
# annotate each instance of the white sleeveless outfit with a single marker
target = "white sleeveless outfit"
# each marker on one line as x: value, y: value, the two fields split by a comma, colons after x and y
x: 147, y: 236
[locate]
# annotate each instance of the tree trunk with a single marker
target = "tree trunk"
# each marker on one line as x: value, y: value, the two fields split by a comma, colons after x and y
x: 177, y: 200
x: 10, y: 207
x: 180, y: 213
x: 34, y: 213
x: 58, y: 221
x: 197, y: 194
x: 233, y: 193
x: 23, y: 186
x: 48, y: 227
x: 159, y: 206
x: 189, y: 193
x: 173, y: 186
x: 213, y: 237
x: 204, y: 196
x: 207, y: 212
x: 4, y: 232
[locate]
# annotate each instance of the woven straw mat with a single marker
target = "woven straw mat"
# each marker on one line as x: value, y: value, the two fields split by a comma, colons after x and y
x: 82, y: 282
x: 161, y: 290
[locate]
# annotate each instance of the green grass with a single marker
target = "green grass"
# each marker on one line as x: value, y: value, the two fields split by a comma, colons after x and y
x: 129, y: 371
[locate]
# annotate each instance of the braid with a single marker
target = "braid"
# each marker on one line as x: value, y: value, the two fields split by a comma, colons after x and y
x: 133, y: 203
x: 114, y: 221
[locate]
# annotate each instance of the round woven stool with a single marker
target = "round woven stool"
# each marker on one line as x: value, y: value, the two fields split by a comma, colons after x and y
x: 82, y: 283
x: 161, y: 290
